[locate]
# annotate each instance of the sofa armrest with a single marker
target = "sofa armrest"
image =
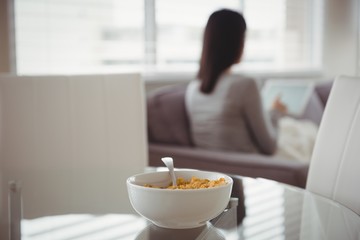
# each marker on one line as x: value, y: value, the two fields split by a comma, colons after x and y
x: 244, y: 164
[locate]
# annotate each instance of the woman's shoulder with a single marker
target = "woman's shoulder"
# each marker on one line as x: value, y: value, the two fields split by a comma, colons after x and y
x: 194, y: 82
x: 227, y: 83
x: 241, y: 81
x: 193, y: 86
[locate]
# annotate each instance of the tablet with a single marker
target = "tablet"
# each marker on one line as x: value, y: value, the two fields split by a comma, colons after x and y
x: 295, y: 94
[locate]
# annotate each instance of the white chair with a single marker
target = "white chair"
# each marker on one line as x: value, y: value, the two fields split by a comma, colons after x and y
x: 335, y: 166
x: 71, y: 141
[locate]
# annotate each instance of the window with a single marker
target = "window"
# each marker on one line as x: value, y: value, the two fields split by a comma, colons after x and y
x: 280, y: 34
x: 88, y: 36
x: 180, y: 26
x: 72, y: 36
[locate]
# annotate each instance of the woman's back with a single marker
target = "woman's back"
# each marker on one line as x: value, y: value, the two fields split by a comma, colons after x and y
x: 231, y: 117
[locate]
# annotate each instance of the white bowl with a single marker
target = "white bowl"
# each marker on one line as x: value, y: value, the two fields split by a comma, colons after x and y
x: 176, y: 208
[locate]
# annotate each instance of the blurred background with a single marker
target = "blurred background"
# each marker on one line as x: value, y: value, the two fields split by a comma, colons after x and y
x: 316, y: 37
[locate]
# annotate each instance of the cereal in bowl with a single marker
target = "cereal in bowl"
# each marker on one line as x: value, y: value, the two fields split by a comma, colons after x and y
x: 194, y: 183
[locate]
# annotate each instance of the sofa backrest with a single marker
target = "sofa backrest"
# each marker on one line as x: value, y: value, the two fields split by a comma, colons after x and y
x: 314, y: 109
x: 317, y: 101
x: 323, y: 90
x: 167, y: 118
x: 168, y: 122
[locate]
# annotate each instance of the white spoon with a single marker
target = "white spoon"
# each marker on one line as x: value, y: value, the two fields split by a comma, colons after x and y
x: 169, y: 163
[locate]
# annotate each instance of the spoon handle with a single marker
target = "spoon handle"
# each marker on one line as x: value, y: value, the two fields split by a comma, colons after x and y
x: 169, y: 163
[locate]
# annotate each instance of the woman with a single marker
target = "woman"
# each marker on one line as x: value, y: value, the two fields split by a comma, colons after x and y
x: 226, y: 111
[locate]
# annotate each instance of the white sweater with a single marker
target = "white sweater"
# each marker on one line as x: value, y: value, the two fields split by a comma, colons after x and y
x: 231, y: 117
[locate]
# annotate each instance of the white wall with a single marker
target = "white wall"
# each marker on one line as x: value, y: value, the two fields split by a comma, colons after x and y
x: 341, y: 37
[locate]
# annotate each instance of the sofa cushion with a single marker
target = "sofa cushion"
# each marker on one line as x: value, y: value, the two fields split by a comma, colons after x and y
x: 317, y: 101
x: 167, y: 118
x: 323, y: 91
x: 314, y: 109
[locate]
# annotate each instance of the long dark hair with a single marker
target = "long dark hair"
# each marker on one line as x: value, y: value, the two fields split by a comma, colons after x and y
x: 223, y: 45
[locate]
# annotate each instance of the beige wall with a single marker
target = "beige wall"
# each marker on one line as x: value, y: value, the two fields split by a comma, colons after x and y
x: 341, y: 37
x: 4, y: 38
x: 3, y: 68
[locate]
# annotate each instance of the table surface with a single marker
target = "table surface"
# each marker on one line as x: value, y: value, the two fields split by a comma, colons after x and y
x: 266, y: 210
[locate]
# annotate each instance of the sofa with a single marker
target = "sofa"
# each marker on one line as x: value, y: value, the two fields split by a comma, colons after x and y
x: 169, y: 134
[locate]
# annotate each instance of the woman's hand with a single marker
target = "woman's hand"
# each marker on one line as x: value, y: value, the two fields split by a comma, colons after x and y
x: 279, y: 105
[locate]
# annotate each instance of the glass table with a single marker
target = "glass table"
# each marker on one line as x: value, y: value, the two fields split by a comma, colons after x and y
x: 259, y: 209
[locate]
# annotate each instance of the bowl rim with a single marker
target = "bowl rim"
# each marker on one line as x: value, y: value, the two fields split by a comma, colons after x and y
x: 229, y: 182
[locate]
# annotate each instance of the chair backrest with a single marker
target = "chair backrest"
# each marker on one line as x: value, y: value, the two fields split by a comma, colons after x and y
x: 335, y: 166
x: 72, y: 141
